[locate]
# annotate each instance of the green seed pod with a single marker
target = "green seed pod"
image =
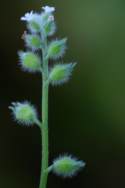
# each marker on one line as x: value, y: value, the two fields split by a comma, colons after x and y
x: 30, y: 62
x: 61, y: 73
x: 24, y: 113
x: 66, y: 166
x: 50, y: 28
x: 32, y: 41
x: 57, y: 49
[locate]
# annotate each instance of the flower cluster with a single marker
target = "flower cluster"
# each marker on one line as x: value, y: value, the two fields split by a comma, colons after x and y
x: 40, y: 26
x: 42, y: 22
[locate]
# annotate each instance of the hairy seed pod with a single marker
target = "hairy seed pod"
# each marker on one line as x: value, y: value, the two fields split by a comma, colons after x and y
x: 67, y: 166
x: 61, y: 73
x: 24, y: 113
x: 32, y: 41
x: 30, y: 62
x: 57, y: 49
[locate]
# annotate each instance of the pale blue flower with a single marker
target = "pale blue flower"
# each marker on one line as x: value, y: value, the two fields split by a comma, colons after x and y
x: 28, y: 16
x: 48, y: 9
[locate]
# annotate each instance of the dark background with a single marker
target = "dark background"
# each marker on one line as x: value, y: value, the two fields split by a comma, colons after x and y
x: 87, y: 115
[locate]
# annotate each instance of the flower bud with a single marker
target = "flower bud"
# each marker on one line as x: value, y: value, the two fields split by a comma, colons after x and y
x: 32, y: 41
x: 66, y: 166
x: 57, y: 49
x: 61, y: 73
x: 49, y: 28
x: 24, y: 113
x: 33, y: 20
x: 30, y: 61
x: 34, y: 26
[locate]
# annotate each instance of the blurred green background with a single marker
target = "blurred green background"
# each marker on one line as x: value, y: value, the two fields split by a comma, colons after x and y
x: 87, y: 115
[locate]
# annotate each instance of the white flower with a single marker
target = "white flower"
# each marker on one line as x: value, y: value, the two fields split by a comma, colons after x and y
x: 28, y: 16
x: 48, y: 9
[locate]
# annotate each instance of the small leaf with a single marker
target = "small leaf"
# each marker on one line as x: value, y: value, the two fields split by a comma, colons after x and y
x: 61, y: 73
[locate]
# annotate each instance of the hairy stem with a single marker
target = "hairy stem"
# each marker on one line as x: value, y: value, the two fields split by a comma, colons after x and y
x: 44, y: 132
x: 44, y: 125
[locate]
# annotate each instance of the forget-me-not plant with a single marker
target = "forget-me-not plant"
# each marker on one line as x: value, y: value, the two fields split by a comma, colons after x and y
x: 39, y: 50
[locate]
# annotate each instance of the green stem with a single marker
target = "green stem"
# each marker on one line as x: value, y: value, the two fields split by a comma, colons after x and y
x: 44, y: 132
x: 44, y: 125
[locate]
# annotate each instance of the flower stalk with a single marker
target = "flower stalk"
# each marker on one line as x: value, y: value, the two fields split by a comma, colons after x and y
x: 36, y: 60
x: 44, y: 134
x: 44, y: 125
